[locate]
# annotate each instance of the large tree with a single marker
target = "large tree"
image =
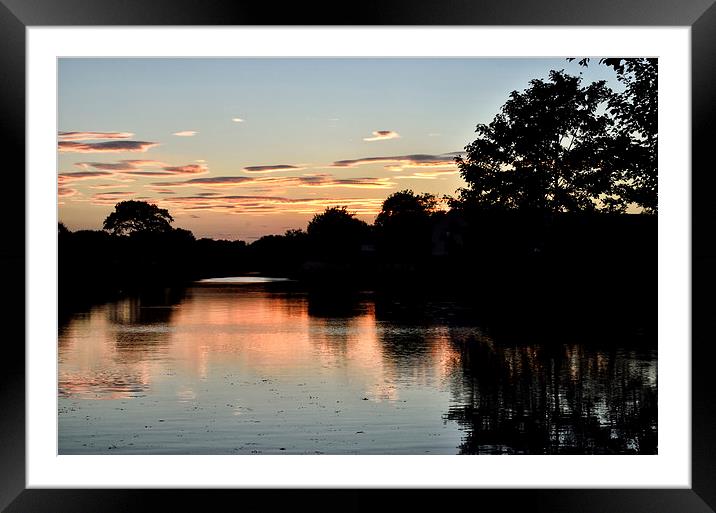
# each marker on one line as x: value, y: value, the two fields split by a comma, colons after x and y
x: 137, y: 217
x: 549, y: 149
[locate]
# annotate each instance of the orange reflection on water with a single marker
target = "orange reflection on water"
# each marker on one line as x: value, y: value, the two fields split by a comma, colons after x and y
x: 121, y: 349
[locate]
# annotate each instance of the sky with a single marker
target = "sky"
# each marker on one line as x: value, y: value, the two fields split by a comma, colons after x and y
x: 237, y: 148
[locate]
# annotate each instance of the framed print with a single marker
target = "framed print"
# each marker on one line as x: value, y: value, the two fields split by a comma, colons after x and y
x: 417, y: 249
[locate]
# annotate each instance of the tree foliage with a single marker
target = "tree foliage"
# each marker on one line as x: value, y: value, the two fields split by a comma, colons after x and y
x: 559, y: 146
x: 137, y: 217
x: 336, y: 232
x: 635, y: 110
x: 546, y: 150
x: 404, y: 224
x: 406, y: 206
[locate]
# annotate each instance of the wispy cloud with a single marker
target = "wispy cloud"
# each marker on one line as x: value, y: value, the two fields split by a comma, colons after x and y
x: 216, y: 181
x: 105, y: 147
x: 135, y: 167
x: 189, y: 169
x: 401, y: 161
x: 64, y: 178
x: 382, y: 135
x: 237, y: 120
x: 353, y: 183
x: 107, y: 166
x: 321, y: 181
x: 85, y: 136
x: 272, y: 169
x: 186, y: 133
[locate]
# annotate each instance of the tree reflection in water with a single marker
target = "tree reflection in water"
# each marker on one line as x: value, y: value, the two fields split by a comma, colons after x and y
x: 565, y: 399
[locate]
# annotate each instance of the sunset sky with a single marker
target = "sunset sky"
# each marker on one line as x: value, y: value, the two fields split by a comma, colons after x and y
x: 239, y: 148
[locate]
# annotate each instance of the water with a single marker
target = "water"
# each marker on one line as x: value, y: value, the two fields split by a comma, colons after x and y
x: 255, y: 367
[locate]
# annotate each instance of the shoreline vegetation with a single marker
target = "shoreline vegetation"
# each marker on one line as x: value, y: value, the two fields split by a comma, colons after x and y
x: 539, y: 233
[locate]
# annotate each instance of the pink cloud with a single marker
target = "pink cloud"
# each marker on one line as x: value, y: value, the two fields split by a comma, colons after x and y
x: 186, y: 133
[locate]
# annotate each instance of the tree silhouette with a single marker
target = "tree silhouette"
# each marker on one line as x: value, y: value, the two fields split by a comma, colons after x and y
x: 137, y: 217
x: 336, y: 233
x: 550, y: 149
x: 406, y: 205
x: 635, y: 109
x: 404, y: 223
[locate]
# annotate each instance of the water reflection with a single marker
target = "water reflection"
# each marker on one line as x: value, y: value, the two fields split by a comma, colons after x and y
x: 257, y: 368
x: 559, y: 400
x: 109, y: 354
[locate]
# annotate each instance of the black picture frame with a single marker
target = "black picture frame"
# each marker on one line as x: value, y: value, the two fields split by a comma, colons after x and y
x: 700, y: 15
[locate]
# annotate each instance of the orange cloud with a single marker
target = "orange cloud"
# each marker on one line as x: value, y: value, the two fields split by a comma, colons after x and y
x: 382, y: 135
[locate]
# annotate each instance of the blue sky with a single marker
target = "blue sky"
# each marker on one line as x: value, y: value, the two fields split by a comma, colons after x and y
x: 276, y: 128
